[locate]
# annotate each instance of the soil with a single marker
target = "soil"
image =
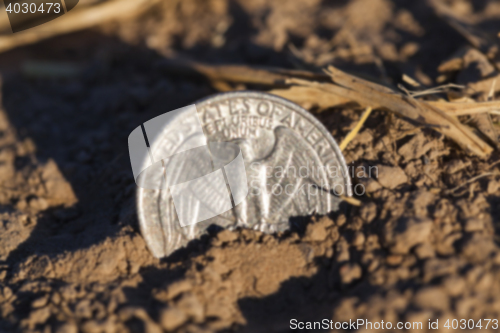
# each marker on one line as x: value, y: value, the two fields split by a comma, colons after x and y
x: 423, y: 245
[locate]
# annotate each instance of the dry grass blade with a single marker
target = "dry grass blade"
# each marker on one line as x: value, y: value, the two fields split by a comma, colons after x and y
x: 309, y: 97
x: 433, y: 90
x: 473, y: 179
x: 266, y: 76
x: 76, y: 20
x: 313, y: 97
x: 461, y: 109
x: 431, y: 115
x: 351, y: 200
x: 356, y: 129
x: 371, y: 94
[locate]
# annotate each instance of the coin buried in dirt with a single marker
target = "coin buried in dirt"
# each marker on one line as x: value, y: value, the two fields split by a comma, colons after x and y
x: 289, y: 164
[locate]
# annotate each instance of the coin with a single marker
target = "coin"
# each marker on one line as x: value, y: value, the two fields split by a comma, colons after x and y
x: 292, y: 164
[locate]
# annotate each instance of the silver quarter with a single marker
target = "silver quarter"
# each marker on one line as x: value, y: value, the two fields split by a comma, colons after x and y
x: 293, y: 167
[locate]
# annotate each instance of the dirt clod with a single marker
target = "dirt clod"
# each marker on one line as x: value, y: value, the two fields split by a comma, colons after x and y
x: 407, y: 233
x: 391, y: 177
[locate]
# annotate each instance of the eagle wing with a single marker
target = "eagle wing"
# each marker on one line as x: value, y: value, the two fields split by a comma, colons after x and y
x: 300, y: 184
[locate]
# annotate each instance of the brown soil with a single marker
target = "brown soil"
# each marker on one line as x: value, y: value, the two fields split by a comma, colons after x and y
x: 71, y: 255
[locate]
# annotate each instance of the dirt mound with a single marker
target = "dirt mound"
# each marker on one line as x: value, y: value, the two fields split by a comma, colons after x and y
x: 422, y: 246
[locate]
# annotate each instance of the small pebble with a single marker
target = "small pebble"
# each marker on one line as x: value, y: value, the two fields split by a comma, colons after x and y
x: 350, y: 273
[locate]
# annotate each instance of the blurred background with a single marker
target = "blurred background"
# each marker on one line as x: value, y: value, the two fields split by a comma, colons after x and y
x: 71, y: 255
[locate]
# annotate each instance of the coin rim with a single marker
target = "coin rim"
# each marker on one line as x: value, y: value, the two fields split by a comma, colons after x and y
x: 256, y: 95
